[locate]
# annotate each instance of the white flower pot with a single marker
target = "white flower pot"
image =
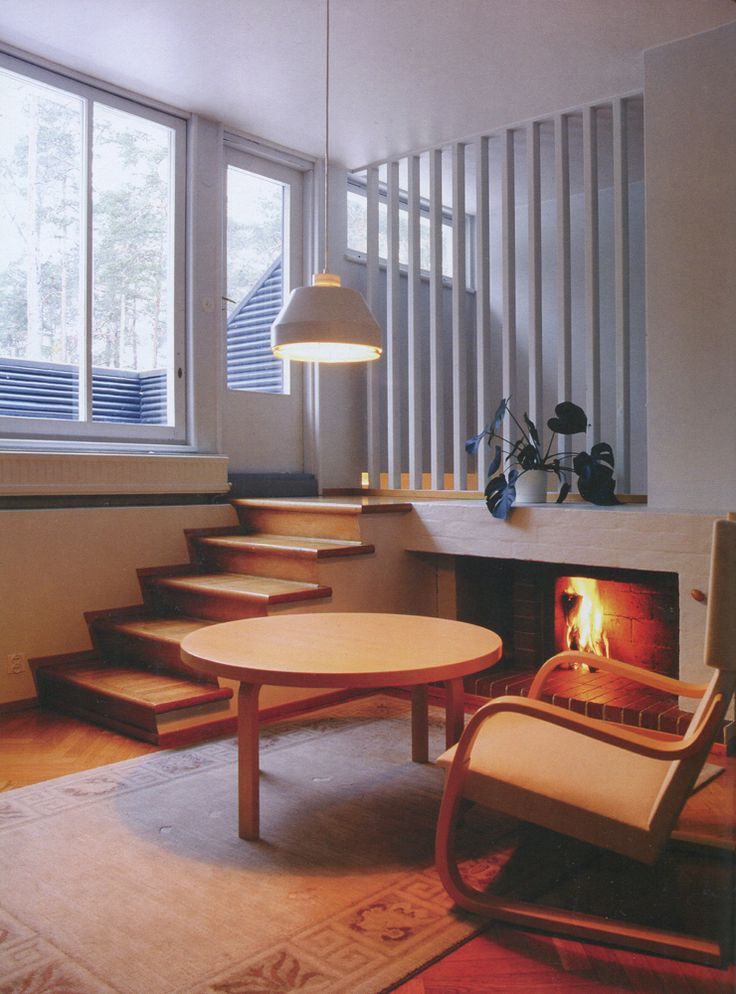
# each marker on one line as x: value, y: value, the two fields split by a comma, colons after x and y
x: 531, y: 487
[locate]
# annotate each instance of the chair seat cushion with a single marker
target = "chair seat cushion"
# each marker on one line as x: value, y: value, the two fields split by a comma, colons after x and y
x: 541, y: 772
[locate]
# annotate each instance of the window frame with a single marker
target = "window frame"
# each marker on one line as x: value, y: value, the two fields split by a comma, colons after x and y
x: 358, y: 187
x: 88, y: 432
x: 288, y: 170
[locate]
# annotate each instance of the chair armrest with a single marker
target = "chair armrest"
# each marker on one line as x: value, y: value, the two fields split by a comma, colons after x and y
x: 617, y: 735
x: 645, y: 677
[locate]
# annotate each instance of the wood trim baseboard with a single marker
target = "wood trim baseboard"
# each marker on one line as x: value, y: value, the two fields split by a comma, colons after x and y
x: 24, y: 704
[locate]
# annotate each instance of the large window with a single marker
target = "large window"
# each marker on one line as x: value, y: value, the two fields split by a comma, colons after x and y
x: 91, y: 262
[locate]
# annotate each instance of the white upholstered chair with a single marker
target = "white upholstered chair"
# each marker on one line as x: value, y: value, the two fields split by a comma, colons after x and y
x: 616, y: 787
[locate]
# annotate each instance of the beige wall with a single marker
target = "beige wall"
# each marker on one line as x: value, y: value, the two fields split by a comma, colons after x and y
x: 57, y: 564
x: 690, y: 140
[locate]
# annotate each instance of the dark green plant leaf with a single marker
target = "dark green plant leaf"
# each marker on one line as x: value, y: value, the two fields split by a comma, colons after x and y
x: 602, y: 452
x: 495, y: 462
x: 501, y: 494
x: 472, y: 444
x: 528, y: 457
x: 595, y: 475
x: 570, y: 419
x: 564, y: 491
x: 499, y: 415
x: 532, y: 429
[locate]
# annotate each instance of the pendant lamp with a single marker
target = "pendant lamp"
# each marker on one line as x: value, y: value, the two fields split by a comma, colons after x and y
x: 326, y: 322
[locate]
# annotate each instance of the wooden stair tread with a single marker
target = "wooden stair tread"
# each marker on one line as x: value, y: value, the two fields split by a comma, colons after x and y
x: 266, y: 589
x: 326, y: 505
x: 289, y: 545
x: 145, y: 626
x: 155, y: 691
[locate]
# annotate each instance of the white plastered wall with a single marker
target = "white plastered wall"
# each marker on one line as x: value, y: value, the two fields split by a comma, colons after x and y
x: 690, y: 140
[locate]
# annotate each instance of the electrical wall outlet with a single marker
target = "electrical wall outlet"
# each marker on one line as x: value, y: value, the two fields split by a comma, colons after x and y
x: 17, y: 663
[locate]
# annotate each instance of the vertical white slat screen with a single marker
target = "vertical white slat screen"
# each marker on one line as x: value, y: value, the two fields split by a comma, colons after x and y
x: 374, y: 370
x: 415, y: 341
x: 393, y: 331
x: 444, y: 339
x: 436, y: 325
x: 508, y: 250
x: 459, y: 335
x: 621, y: 291
x: 592, y: 276
x: 534, y: 217
x: 564, y: 295
x: 483, y: 400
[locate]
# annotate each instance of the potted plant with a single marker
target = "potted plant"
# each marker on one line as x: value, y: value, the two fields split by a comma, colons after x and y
x: 527, y: 455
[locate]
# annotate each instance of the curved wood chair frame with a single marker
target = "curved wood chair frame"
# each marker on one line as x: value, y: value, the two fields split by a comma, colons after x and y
x: 683, y: 760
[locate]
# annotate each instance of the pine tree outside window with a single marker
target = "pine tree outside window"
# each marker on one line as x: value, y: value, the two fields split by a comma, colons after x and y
x: 91, y: 263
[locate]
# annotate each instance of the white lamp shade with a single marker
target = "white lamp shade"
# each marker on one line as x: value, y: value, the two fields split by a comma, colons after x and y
x: 326, y: 323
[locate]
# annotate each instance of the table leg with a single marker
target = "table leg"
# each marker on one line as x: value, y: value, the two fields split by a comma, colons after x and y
x: 454, y: 711
x: 419, y: 724
x: 248, y: 771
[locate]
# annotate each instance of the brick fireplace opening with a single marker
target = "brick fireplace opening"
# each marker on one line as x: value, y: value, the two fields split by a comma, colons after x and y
x: 542, y: 608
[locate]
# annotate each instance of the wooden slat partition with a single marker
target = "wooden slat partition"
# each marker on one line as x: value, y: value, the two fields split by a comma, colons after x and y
x: 534, y: 201
x: 508, y: 239
x: 621, y: 292
x: 374, y: 370
x: 436, y: 370
x: 459, y: 337
x: 393, y: 384
x: 414, y: 327
x: 592, y: 279
x: 482, y: 300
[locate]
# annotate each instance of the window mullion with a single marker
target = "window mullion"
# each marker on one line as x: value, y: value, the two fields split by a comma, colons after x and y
x: 86, y: 275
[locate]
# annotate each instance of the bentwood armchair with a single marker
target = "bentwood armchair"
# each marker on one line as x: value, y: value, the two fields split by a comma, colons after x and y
x: 612, y: 786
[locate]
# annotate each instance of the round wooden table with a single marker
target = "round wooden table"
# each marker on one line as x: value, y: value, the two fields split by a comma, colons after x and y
x: 339, y: 650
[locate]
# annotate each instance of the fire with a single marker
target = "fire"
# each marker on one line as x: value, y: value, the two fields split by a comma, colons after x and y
x: 583, y: 610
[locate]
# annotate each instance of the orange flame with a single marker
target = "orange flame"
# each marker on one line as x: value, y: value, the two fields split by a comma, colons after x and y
x: 584, y: 617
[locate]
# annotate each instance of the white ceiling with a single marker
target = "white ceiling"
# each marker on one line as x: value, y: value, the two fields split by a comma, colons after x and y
x: 406, y: 74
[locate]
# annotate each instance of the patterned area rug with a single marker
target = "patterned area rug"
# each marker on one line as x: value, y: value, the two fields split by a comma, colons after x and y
x: 131, y: 879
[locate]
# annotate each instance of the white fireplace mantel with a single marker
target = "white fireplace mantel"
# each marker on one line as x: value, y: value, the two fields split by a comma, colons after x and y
x: 626, y: 537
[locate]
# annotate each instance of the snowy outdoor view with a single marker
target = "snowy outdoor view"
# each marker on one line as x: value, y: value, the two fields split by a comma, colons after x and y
x: 257, y: 212
x: 255, y: 222
x: 44, y: 247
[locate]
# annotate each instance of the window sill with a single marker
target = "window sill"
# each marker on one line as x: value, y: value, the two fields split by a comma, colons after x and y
x: 28, y: 473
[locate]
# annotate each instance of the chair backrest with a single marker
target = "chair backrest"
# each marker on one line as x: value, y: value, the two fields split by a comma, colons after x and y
x: 720, y: 632
x: 720, y: 653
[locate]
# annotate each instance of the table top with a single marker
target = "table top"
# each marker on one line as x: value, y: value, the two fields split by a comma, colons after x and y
x: 341, y: 649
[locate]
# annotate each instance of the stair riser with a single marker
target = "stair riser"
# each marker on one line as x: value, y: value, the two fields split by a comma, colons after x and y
x: 56, y: 693
x: 158, y: 657
x: 258, y: 564
x: 296, y: 522
x: 195, y: 604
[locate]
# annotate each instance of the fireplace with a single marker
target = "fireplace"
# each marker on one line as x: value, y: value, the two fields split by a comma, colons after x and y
x: 542, y: 608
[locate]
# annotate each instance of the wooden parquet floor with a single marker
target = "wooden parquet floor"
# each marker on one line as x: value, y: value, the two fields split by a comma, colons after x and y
x: 37, y: 745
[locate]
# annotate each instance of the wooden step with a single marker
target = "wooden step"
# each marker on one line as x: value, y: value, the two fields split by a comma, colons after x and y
x: 222, y: 596
x: 131, y: 636
x: 159, y: 708
x: 335, y: 517
x: 291, y: 557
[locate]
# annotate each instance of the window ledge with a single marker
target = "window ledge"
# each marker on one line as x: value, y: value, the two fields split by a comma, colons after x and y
x: 71, y: 473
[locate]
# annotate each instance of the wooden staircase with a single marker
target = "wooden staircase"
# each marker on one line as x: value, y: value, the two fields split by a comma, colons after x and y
x: 279, y: 557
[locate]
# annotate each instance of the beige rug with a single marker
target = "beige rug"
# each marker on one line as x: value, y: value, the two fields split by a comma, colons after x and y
x: 132, y: 879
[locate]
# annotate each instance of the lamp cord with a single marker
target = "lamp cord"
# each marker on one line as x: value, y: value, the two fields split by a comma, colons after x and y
x: 327, y: 132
